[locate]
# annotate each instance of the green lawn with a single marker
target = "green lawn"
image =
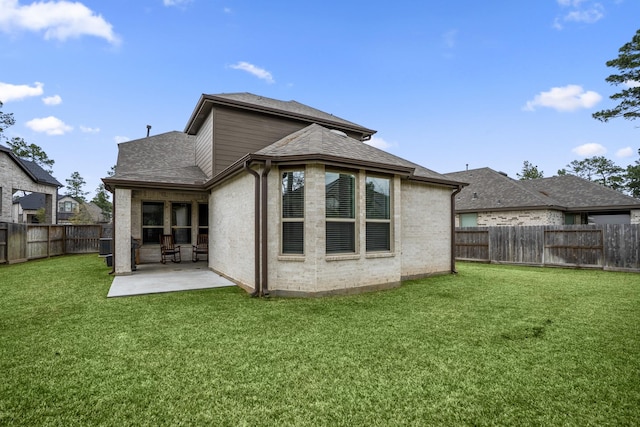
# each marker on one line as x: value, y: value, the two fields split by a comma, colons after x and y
x: 493, y: 345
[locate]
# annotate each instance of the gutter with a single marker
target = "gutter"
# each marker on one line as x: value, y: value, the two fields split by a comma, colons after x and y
x: 453, y: 229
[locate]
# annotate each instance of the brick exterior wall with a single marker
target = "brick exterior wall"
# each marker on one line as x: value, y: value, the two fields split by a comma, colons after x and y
x: 426, y: 230
x: 13, y: 178
x: 524, y: 217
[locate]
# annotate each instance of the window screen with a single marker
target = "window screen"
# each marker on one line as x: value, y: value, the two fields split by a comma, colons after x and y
x: 340, y: 203
x: 378, y: 200
x: 293, y: 212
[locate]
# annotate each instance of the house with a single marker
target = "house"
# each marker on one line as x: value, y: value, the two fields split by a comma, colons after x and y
x: 69, y: 207
x: 26, y: 209
x: 493, y: 199
x: 18, y: 174
x: 293, y: 201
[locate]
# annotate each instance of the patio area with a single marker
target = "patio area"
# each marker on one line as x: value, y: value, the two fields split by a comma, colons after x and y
x: 170, y: 277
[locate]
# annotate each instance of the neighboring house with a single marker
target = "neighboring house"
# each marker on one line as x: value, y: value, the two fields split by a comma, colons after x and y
x: 68, y: 207
x: 492, y: 198
x: 26, y: 208
x: 18, y: 174
x: 292, y: 199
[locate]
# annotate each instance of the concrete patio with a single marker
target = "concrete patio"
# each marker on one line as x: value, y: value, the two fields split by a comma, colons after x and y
x: 170, y: 277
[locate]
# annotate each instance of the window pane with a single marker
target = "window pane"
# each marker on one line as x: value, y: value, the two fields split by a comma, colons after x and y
x: 469, y: 220
x: 293, y: 194
x: 293, y: 237
x: 181, y: 214
x: 340, y: 195
x: 152, y: 213
x: 341, y: 237
x: 378, y: 190
x: 378, y: 236
x: 203, y: 215
x: 151, y: 235
x: 182, y: 235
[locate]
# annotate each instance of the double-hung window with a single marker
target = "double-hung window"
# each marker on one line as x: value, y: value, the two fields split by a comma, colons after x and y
x: 378, y: 200
x: 340, y: 203
x: 181, y: 222
x: 293, y: 212
x: 152, y: 221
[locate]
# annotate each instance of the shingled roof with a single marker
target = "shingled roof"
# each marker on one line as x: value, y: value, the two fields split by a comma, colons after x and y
x: 291, y: 109
x: 490, y: 190
x: 35, y: 171
x: 316, y: 142
x: 167, y: 158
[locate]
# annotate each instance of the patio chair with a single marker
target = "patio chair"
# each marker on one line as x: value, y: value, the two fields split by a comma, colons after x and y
x: 169, y: 248
x: 201, y: 247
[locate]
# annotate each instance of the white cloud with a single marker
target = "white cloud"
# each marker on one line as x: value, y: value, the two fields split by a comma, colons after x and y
x: 567, y: 98
x: 584, y: 11
x: 49, y: 125
x: 625, y: 152
x: 52, y: 100
x: 59, y: 20
x: 9, y: 92
x: 378, y: 143
x: 87, y: 129
x: 260, y: 73
x: 176, y: 2
x: 449, y: 39
x: 119, y: 139
x: 227, y: 10
x: 631, y: 83
x: 590, y: 149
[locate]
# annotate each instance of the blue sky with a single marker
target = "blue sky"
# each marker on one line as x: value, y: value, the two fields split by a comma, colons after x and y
x: 445, y: 83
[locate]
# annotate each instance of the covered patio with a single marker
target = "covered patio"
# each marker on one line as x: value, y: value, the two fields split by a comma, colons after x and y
x: 153, y: 278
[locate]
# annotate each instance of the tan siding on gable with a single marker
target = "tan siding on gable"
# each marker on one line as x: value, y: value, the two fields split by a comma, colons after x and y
x: 237, y: 133
x: 204, y: 147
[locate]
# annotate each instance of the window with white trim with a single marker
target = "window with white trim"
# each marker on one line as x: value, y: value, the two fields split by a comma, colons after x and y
x: 378, y: 213
x: 292, y: 184
x: 340, y: 203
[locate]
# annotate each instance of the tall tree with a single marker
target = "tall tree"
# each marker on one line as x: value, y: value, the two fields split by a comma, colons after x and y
x: 101, y: 199
x: 74, y: 187
x: 31, y: 152
x: 633, y: 178
x: 529, y: 171
x: 6, y: 120
x: 598, y: 169
x: 628, y: 65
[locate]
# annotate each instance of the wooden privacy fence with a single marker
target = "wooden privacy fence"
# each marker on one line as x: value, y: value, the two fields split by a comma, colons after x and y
x: 22, y: 242
x: 606, y: 246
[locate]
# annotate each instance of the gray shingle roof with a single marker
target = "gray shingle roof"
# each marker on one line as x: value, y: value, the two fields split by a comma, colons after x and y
x: 317, y: 141
x: 33, y: 201
x: 491, y: 190
x: 577, y: 193
x: 31, y: 168
x: 165, y: 158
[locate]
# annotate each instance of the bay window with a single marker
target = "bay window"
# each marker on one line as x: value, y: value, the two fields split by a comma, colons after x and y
x: 340, y: 204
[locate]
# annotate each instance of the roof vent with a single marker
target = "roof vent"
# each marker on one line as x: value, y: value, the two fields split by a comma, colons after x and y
x: 339, y: 132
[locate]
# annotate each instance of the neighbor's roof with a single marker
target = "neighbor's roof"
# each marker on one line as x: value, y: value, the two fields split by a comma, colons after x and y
x: 316, y: 142
x: 249, y: 101
x: 33, y: 201
x: 490, y: 190
x: 35, y: 172
x: 165, y: 159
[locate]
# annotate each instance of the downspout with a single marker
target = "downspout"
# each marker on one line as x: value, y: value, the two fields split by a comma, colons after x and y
x: 453, y: 229
x: 113, y: 234
x: 265, y: 251
x: 256, y: 232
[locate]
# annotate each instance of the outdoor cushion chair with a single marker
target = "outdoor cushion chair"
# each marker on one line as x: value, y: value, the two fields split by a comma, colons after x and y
x: 201, y: 247
x: 169, y: 248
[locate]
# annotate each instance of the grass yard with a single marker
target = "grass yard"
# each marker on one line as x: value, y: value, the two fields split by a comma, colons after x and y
x: 493, y: 345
